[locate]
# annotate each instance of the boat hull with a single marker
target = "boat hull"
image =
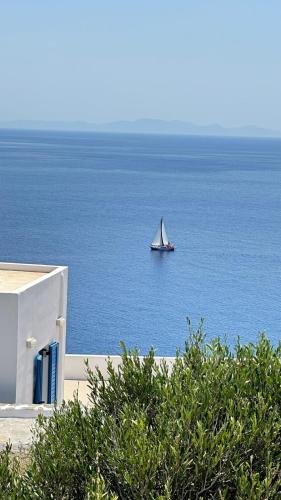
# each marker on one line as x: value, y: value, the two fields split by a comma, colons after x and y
x: 164, y: 248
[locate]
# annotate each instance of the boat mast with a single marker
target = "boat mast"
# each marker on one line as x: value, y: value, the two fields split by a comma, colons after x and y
x: 161, y: 240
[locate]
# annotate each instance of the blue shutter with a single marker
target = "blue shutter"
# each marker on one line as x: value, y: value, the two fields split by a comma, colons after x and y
x: 53, y: 372
x: 38, y: 379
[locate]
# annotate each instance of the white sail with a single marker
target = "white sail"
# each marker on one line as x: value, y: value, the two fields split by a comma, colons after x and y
x: 160, y: 238
x: 164, y: 234
x: 157, y: 238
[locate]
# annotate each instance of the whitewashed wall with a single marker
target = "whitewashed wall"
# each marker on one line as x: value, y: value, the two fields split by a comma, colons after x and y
x: 75, y: 364
x: 8, y: 349
x: 39, y: 308
x: 30, y: 311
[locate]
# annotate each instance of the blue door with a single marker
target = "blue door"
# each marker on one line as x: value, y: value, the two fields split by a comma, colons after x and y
x: 38, y: 379
x: 53, y: 372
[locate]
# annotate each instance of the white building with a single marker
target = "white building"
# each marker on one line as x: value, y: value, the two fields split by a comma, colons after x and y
x: 33, y: 301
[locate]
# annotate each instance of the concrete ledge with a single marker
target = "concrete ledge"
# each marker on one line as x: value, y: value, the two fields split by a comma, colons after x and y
x: 25, y: 411
x: 75, y: 369
x: 17, y: 266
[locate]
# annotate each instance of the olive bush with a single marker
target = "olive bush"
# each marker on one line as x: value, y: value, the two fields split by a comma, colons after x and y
x: 207, y: 427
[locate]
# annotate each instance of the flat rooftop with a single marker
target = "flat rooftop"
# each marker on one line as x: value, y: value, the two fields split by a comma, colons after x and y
x: 11, y: 280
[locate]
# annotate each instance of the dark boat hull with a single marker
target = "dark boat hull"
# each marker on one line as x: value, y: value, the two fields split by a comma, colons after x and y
x: 170, y: 248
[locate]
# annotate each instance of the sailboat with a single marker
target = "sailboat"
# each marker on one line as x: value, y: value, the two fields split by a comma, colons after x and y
x: 160, y: 241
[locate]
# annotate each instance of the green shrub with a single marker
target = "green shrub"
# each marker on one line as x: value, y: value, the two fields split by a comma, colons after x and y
x: 207, y: 427
x: 9, y: 470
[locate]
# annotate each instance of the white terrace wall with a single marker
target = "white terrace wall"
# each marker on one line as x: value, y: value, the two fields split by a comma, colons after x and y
x: 75, y: 369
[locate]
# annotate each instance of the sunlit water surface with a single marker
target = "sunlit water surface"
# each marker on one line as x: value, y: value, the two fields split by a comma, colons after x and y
x: 93, y: 202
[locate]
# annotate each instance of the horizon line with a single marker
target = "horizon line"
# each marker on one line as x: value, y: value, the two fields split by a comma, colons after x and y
x: 147, y: 126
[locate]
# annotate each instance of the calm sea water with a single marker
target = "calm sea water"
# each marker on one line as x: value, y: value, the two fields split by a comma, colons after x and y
x: 93, y: 202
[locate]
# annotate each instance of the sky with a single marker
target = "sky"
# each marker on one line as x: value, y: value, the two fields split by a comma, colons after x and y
x: 201, y: 61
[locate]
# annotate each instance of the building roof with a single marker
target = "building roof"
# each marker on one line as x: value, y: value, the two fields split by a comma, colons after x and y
x: 11, y: 280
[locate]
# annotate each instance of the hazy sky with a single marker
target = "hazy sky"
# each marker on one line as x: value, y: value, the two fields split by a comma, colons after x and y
x: 202, y: 61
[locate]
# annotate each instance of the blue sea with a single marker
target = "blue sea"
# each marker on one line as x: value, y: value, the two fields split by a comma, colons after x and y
x: 93, y: 202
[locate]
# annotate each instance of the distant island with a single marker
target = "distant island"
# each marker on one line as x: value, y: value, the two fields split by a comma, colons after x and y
x: 144, y: 126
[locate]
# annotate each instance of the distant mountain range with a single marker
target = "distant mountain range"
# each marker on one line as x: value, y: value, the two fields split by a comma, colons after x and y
x: 144, y: 126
